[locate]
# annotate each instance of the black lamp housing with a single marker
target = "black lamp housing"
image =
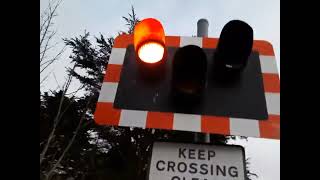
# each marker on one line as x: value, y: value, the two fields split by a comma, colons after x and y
x: 189, y: 70
x: 233, y: 49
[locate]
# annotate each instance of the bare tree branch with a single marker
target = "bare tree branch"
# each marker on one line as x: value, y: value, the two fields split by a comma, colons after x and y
x: 45, y: 77
x: 42, y: 142
x: 50, y: 13
x: 55, y: 78
x: 46, y: 46
x: 49, y: 62
x: 49, y: 47
x: 57, y: 118
x: 48, y: 176
x: 74, y: 92
x: 47, y: 35
x: 44, y: 19
x: 71, y: 102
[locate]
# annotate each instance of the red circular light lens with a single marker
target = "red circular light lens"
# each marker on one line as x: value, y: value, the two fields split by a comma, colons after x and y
x: 149, y: 40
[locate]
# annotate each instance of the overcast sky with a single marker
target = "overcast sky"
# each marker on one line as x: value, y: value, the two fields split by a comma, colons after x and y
x: 178, y: 18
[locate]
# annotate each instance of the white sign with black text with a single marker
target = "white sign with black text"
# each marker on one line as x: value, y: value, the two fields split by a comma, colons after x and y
x: 178, y: 161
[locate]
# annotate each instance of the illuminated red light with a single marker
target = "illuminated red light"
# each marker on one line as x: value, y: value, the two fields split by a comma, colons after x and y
x: 149, y: 40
